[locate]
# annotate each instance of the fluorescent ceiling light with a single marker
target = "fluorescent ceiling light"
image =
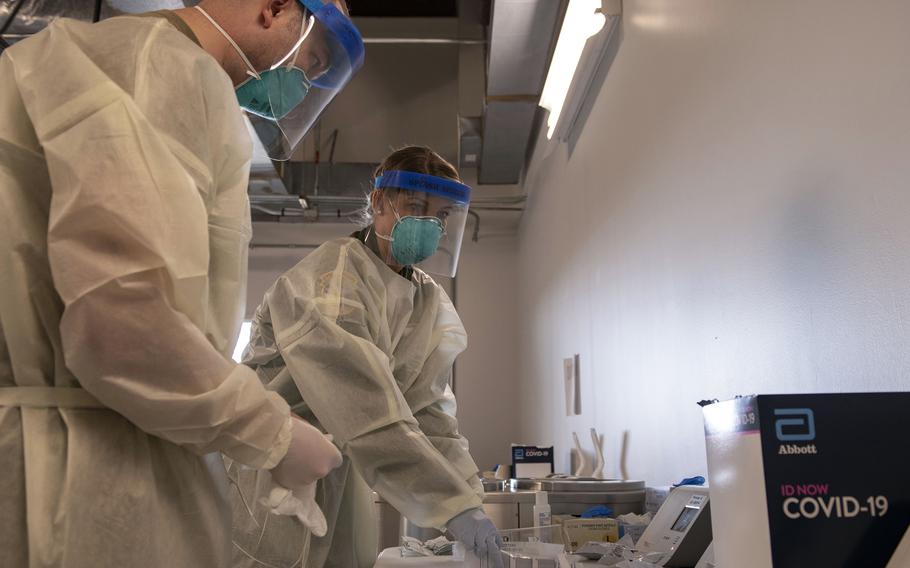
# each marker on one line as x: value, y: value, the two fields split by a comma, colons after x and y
x: 583, y: 19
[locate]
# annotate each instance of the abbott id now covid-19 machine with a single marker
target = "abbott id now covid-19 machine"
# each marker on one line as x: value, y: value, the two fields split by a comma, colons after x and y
x: 681, y: 529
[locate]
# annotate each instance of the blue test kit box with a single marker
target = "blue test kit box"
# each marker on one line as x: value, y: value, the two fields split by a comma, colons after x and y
x: 532, y: 461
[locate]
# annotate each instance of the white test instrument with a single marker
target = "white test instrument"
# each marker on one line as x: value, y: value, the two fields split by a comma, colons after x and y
x: 681, y: 529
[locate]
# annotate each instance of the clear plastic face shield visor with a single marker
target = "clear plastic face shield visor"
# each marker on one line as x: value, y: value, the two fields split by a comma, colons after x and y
x: 284, y: 102
x: 431, y: 213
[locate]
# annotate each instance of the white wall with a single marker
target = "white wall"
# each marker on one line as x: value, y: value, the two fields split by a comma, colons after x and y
x: 733, y: 220
x: 486, y: 373
x: 404, y: 94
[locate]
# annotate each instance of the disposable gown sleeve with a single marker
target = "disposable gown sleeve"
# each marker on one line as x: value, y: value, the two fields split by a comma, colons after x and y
x: 432, y: 401
x: 439, y: 423
x: 326, y: 326
x: 129, y: 248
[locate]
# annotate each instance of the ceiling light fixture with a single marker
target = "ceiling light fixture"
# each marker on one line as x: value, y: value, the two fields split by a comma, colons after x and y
x: 583, y: 20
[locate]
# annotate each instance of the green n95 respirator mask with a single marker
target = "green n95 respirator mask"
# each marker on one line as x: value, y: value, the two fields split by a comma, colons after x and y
x: 430, y: 214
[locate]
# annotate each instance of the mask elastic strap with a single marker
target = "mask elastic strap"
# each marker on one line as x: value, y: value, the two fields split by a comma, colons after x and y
x: 397, y: 218
x: 252, y: 70
x: 305, y: 30
x: 395, y: 211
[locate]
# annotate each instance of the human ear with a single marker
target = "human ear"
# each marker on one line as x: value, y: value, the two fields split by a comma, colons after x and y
x: 274, y: 9
x: 376, y: 202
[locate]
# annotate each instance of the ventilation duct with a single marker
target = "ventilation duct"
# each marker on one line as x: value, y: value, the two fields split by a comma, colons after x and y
x: 520, y: 38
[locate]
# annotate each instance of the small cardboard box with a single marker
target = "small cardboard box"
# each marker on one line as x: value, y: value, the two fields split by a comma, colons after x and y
x: 577, y: 532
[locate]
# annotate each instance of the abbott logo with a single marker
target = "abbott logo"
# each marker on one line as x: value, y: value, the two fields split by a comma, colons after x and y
x: 795, y: 425
x: 799, y: 428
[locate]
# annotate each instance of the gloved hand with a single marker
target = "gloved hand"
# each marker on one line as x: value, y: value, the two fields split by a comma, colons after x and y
x: 478, y: 533
x: 311, y: 456
x: 302, y: 505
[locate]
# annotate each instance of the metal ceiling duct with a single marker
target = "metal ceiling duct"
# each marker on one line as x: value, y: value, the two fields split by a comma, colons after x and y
x: 521, y: 36
x: 507, y: 130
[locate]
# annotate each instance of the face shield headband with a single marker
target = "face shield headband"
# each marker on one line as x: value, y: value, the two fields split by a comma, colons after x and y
x: 455, y: 191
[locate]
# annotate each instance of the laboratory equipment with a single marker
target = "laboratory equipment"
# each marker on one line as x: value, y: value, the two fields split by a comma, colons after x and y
x: 513, y: 507
x: 494, y: 484
x: 566, y: 496
x: 578, y: 485
x: 681, y: 530
x: 537, y: 546
x: 392, y: 558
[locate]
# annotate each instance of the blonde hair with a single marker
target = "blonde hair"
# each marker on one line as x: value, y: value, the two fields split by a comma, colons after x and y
x: 418, y: 159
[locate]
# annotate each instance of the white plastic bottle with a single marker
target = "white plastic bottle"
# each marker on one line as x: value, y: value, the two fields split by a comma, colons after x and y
x: 542, y: 518
x: 542, y: 515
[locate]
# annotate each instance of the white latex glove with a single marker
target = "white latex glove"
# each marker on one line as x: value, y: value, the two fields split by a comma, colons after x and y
x: 301, y: 504
x: 311, y: 456
x: 478, y: 533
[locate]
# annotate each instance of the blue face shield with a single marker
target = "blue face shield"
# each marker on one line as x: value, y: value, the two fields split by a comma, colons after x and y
x: 285, y: 100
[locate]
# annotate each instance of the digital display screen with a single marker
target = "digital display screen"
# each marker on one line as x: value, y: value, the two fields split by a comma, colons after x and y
x: 684, y: 519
